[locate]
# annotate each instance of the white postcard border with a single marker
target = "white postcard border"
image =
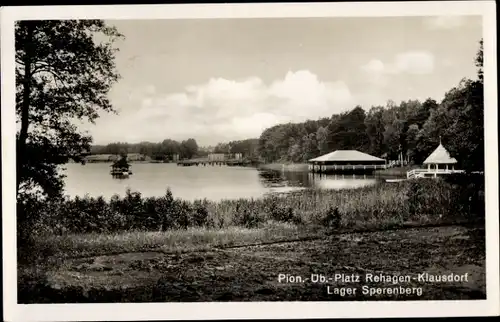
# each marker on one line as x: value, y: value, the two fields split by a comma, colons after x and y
x: 292, y: 310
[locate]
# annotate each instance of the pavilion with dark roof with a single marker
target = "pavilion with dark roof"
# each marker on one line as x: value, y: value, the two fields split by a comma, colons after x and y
x: 346, y: 161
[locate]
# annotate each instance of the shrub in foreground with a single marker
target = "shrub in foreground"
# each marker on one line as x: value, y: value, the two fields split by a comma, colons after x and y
x: 423, y: 201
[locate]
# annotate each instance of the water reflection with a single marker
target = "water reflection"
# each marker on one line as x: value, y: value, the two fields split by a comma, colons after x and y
x: 190, y: 183
x: 341, y: 181
x: 316, y: 180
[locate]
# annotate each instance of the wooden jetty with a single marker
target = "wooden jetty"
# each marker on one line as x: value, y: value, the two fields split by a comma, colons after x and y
x: 346, y: 161
x: 206, y: 162
x: 394, y: 180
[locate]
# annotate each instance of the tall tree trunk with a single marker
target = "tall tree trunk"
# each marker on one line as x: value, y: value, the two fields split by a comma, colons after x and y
x: 25, y: 109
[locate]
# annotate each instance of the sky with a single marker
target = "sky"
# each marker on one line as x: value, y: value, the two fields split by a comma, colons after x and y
x: 218, y: 80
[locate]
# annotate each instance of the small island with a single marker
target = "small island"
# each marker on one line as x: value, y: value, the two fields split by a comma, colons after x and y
x: 121, y: 167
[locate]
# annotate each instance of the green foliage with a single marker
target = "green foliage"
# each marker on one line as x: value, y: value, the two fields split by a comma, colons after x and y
x: 186, y: 149
x: 122, y: 162
x: 479, y: 61
x: 189, y: 148
x: 458, y: 120
x: 322, y: 140
x: 375, y: 130
x: 470, y: 199
x: 466, y: 132
x: 62, y: 75
x: 332, y: 218
x: 276, y: 211
x: 244, y: 216
x: 247, y: 148
x: 200, y: 214
x: 420, y: 201
x: 157, y: 151
x: 411, y: 141
x: 349, y: 131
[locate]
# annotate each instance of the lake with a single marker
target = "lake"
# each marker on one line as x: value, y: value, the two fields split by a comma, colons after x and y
x: 199, y: 182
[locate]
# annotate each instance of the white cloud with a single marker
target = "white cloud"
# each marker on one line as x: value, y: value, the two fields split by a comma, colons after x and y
x: 302, y: 95
x: 411, y: 62
x: 444, y: 22
x: 374, y: 66
x: 415, y: 62
x: 375, y: 71
x: 223, y: 109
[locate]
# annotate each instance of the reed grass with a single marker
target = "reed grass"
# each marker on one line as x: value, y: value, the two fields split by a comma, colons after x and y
x: 79, y: 226
x: 425, y: 201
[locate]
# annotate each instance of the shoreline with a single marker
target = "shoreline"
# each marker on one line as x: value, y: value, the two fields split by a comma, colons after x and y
x: 303, y: 167
x: 286, y: 166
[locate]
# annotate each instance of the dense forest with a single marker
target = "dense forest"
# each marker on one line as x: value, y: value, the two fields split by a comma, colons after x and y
x: 384, y: 131
x: 411, y: 128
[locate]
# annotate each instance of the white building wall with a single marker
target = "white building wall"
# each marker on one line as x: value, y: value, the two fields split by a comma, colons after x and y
x: 216, y: 157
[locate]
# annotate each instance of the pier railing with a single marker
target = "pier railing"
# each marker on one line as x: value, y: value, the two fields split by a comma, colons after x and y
x: 205, y: 162
x: 327, y: 168
x: 422, y: 173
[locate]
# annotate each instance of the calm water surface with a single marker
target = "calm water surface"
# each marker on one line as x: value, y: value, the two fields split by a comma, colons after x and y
x: 189, y: 183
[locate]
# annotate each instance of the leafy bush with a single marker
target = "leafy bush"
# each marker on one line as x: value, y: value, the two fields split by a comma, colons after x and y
x: 332, y: 218
x: 383, y: 205
x: 200, y: 214
x: 245, y: 216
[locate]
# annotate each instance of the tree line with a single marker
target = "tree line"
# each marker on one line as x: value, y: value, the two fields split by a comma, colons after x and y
x: 186, y: 149
x: 248, y: 148
x: 159, y: 151
x: 411, y: 128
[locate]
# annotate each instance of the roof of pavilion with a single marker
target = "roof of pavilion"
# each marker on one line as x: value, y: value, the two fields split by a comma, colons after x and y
x: 346, y: 155
x: 440, y: 156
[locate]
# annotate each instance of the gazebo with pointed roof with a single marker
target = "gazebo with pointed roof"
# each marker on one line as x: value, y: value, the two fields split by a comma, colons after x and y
x: 439, y: 163
x: 440, y: 159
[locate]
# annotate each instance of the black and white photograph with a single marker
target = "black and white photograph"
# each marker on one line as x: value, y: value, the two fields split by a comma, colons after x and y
x: 332, y: 154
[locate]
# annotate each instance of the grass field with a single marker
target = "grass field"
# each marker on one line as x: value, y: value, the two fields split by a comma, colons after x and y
x: 252, y: 273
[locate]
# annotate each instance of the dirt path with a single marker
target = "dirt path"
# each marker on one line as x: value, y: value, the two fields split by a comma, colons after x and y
x: 253, y: 273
